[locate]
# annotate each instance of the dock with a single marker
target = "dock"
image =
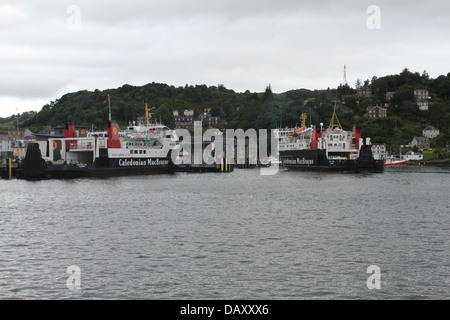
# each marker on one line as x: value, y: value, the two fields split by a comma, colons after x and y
x: 8, y: 170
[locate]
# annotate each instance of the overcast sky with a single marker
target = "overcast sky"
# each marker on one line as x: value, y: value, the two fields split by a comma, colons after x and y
x: 50, y: 48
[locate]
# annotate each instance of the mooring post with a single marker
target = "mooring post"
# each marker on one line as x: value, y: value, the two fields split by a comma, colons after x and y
x: 10, y: 168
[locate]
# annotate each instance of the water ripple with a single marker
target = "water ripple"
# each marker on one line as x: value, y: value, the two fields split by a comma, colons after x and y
x: 234, y: 236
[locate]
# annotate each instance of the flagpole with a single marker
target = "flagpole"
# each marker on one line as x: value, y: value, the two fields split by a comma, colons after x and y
x: 109, y: 103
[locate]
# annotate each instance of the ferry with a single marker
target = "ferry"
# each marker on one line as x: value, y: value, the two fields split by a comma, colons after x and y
x: 329, y: 150
x: 140, y: 149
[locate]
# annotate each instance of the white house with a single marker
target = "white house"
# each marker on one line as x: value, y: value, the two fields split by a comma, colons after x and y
x: 422, y: 97
x: 430, y: 132
x: 410, y: 155
x: 5, y: 147
x: 379, y: 150
x: 5, y: 144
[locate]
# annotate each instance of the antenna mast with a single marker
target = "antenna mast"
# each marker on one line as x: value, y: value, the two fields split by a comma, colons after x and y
x: 345, y: 76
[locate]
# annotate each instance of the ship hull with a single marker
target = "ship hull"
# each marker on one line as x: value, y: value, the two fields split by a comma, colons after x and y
x: 316, y: 160
x: 65, y: 171
x: 35, y: 168
x: 396, y: 163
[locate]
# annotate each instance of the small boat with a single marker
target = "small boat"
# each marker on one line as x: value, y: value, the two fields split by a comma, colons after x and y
x: 395, y: 162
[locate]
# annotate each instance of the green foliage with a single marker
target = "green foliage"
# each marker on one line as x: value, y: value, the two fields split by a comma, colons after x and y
x: 264, y: 110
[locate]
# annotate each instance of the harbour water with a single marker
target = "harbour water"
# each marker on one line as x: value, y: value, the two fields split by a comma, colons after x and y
x: 241, y: 235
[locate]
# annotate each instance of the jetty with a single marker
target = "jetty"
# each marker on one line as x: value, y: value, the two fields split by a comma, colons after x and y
x: 8, y: 169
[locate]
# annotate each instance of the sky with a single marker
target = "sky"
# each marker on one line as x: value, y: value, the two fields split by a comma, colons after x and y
x: 50, y: 48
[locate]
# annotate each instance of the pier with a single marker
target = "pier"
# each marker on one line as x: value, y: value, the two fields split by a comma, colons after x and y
x: 8, y: 170
x: 193, y: 159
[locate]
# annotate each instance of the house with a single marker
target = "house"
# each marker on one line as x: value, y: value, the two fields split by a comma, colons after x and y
x: 364, y: 92
x: 414, y: 156
x: 389, y: 95
x: 376, y: 112
x: 5, y: 144
x: 19, y: 149
x: 185, y: 121
x: 422, y: 104
x: 5, y: 148
x: 420, y: 142
x: 212, y: 122
x: 15, y: 133
x: 422, y: 94
x: 422, y: 97
x: 378, y: 148
x: 430, y: 132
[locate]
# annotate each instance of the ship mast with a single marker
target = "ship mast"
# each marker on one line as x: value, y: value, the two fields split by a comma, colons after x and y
x: 333, y: 118
x: 109, y: 104
x: 303, y: 116
x: 147, y: 117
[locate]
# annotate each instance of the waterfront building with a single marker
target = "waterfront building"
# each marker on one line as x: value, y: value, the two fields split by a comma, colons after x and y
x: 5, y: 148
x: 19, y: 149
x: 378, y: 147
x: 413, y: 156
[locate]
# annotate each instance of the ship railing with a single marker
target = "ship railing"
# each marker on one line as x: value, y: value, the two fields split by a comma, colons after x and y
x: 77, y: 146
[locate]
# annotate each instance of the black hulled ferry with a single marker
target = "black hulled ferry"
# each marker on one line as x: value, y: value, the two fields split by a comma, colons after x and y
x: 140, y: 149
x: 329, y: 150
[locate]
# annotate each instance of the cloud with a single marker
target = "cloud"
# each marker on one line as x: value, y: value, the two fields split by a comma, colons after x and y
x: 241, y: 44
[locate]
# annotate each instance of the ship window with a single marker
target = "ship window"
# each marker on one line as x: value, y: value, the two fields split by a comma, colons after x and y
x: 140, y: 151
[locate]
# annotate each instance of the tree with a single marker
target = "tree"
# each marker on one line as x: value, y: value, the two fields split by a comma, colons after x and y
x: 435, y: 113
x: 268, y: 94
x: 216, y: 111
x: 406, y: 76
x: 404, y: 93
x: 165, y: 113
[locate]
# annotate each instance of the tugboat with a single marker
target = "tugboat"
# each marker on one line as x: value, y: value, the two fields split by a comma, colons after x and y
x: 141, y: 149
x: 330, y: 150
